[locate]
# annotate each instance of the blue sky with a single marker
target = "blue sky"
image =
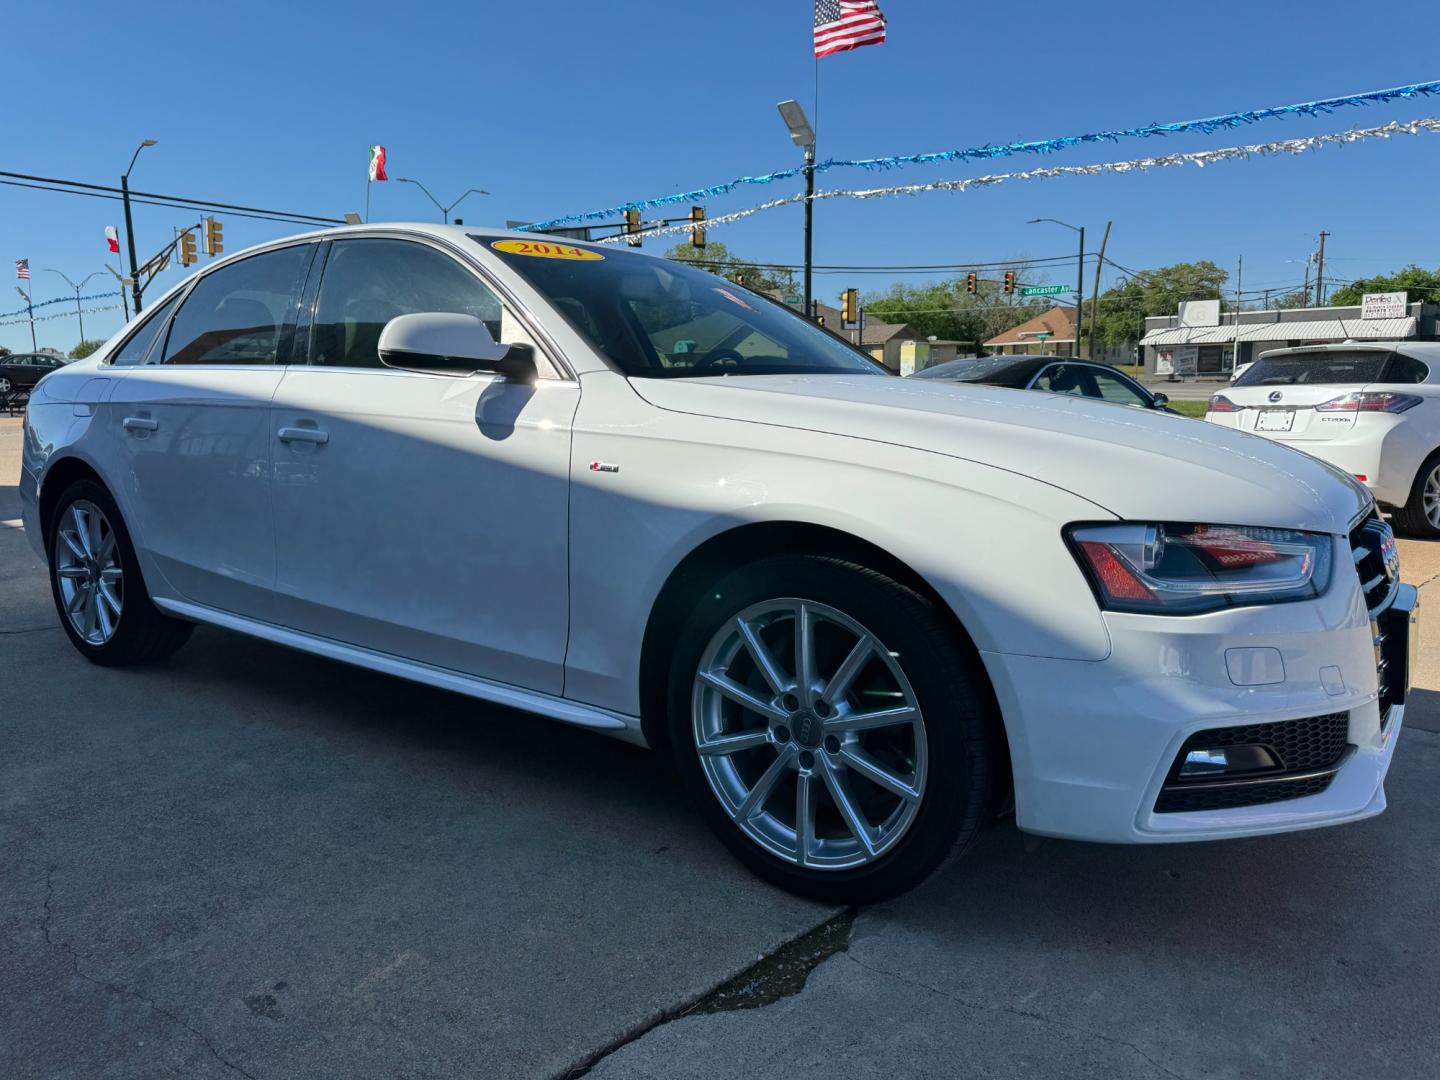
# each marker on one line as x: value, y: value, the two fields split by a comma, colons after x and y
x: 557, y: 106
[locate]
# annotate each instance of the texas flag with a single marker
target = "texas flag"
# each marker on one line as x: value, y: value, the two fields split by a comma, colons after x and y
x: 377, y: 163
x: 113, y: 239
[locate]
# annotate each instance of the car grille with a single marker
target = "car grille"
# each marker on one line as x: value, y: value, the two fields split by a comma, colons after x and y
x: 1372, y: 545
x: 1308, y: 754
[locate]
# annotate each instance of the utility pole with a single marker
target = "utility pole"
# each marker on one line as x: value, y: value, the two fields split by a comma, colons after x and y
x: 1239, y: 280
x: 1320, y: 272
x: 1095, y: 293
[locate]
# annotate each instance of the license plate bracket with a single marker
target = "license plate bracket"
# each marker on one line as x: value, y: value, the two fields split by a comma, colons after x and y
x: 1275, y: 420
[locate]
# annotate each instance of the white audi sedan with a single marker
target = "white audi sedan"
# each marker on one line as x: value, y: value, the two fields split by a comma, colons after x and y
x: 862, y: 614
x: 1371, y: 409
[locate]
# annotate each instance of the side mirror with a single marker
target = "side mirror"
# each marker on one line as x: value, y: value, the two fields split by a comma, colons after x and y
x: 443, y: 341
x: 1159, y: 401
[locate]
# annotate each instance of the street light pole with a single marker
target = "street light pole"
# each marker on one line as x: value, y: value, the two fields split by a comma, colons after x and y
x: 1079, y: 279
x: 444, y: 210
x: 803, y: 136
x: 78, y: 313
x: 809, y: 217
x: 130, y: 225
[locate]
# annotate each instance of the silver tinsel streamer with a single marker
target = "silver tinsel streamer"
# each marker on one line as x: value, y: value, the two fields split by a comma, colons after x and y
x: 60, y: 315
x: 1199, y: 158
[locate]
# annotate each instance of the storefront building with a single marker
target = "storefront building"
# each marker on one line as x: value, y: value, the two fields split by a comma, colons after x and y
x: 1180, y: 352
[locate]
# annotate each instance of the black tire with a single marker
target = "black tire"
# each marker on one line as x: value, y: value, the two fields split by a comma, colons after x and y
x: 1410, y: 518
x: 962, y: 728
x: 142, y: 633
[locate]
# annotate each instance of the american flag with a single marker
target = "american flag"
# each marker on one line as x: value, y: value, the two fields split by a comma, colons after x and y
x: 22, y: 269
x: 847, y: 24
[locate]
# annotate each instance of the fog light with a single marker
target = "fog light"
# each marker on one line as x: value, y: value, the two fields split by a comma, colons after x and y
x: 1226, y: 761
x: 1205, y: 763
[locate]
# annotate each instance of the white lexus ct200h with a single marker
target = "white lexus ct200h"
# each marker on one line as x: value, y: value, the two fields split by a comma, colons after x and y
x: 861, y: 613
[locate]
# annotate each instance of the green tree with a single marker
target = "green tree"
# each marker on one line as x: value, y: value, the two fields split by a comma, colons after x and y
x: 1417, y: 284
x: 1124, y: 307
x: 718, y: 259
x: 84, y: 349
x: 1300, y: 298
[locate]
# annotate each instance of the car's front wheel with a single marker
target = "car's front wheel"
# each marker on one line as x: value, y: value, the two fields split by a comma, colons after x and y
x: 5, y: 386
x: 95, y: 579
x: 837, y: 733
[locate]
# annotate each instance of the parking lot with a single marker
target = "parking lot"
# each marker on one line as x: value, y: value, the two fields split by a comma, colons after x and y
x: 251, y: 862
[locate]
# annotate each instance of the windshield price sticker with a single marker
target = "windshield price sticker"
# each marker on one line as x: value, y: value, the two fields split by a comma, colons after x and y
x: 542, y: 250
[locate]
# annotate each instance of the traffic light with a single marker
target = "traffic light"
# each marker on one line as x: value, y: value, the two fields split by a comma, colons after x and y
x: 632, y: 227
x: 697, y: 231
x: 187, y: 249
x: 1009, y: 281
x: 849, y: 305
x: 214, y: 237
x: 970, y: 282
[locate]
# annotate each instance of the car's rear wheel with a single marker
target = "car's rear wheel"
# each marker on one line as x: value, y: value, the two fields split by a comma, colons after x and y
x: 95, y: 579
x: 5, y: 386
x: 836, y: 732
x: 1420, y: 516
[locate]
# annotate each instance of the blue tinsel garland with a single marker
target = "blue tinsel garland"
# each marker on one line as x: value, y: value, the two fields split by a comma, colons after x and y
x: 1206, y: 126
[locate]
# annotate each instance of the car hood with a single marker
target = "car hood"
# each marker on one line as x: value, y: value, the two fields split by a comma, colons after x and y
x: 1137, y: 463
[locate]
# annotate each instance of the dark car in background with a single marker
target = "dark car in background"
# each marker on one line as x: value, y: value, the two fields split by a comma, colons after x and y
x: 21, y: 371
x: 1081, y: 378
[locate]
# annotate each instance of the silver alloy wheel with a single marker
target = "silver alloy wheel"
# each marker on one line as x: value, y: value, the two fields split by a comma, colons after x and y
x: 87, y: 562
x: 4, y: 385
x: 1431, y: 498
x: 809, y: 734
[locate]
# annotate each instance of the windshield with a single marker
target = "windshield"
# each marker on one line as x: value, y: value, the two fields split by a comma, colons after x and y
x: 1322, y: 368
x: 658, y: 319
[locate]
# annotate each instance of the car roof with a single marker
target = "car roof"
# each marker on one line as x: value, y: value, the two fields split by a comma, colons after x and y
x: 1421, y: 350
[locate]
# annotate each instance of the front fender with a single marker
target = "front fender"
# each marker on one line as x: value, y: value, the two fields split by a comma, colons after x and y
x: 988, y: 541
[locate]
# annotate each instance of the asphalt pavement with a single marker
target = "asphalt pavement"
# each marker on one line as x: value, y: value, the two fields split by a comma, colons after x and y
x: 250, y: 862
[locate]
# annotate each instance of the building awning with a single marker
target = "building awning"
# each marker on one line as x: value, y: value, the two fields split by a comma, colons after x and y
x: 1314, y: 330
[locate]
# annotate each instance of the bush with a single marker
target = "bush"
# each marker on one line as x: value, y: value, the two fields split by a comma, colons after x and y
x: 84, y: 349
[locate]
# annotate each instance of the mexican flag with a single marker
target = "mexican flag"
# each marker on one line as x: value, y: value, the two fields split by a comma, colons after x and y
x: 377, y: 163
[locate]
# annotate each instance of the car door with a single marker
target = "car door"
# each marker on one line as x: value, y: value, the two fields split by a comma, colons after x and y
x: 422, y: 514
x: 193, y: 428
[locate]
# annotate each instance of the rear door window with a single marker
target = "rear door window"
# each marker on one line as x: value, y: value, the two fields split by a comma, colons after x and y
x: 1323, y: 368
x: 237, y: 314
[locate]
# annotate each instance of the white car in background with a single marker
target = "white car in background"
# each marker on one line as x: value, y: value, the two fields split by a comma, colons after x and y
x: 859, y: 612
x: 1371, y: 410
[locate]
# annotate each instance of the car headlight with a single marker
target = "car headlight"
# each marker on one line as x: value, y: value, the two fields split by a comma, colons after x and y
x: 1186, y: 569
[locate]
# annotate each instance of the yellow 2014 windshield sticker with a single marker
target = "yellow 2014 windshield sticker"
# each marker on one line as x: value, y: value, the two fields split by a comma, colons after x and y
x: 543, y: 249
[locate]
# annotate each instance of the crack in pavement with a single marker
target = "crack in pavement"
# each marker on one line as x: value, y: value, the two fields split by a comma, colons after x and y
x: 1012, y: 1011
x: 118, y: 988
x: 781, y: 973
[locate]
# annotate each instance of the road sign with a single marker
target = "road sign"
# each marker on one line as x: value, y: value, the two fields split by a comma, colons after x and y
x: 792, y: 298
x: 1044, y: 290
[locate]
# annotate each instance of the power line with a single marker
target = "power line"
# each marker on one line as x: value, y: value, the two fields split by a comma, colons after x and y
x: 150, y: 198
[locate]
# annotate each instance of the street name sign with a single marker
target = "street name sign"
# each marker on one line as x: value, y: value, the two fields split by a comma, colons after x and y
x: 1043, y: 290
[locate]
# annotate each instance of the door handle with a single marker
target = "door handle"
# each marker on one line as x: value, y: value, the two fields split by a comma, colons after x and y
x: 140, y: 423
x: 303, y: 434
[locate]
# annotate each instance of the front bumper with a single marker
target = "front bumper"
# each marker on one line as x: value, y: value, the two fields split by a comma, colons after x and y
x: 1093, y: 744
